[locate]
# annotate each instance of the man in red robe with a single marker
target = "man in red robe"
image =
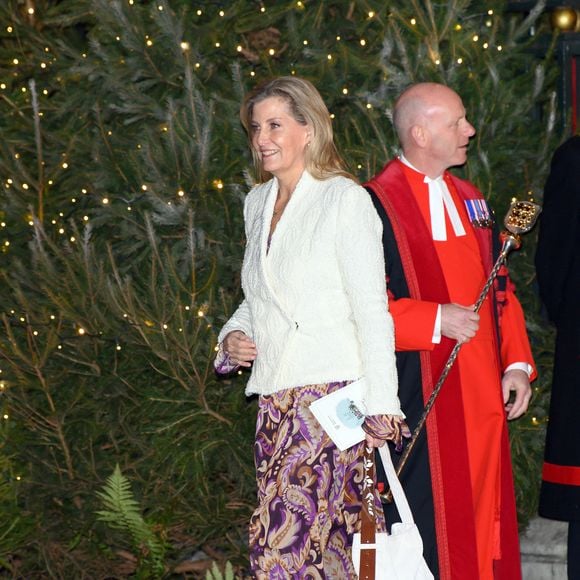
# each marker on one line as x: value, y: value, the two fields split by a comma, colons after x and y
x: 439, y: 249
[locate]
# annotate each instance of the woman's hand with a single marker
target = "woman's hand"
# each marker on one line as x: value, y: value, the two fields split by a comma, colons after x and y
x: 241, y: 350
x: 381, y: 428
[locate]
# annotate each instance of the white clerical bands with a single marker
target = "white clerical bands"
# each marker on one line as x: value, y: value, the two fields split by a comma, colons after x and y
x: 440, y: 200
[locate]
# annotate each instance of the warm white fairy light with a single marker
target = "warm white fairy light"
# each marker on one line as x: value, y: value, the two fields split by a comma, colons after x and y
x: 459, y: 60
x: 413, y: 21
x: 81, y: 330
x: 485, y: 45
x: 271, y: 52
x: 199, y: 12
x: 363, y: 42
x: 329, y: 56
x: 239, y: 48
x: 500, y: 48
x: 61, y: 231
x: 305, y: 42
x: 222, y: 13
x: 105, y: 200
x: 184, y: 46
x: 371, y: 14
x: 217, y: 44
x: 338, y: 38
x: 475, y: 38
x: 149, y: 42
x: 345, y: 91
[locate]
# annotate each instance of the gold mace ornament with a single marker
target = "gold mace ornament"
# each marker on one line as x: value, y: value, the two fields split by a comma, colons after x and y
x: 564, y: 18
x: 520, y: 219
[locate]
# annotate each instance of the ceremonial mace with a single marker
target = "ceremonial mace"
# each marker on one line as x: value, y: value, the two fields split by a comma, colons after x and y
x: 520, y: 219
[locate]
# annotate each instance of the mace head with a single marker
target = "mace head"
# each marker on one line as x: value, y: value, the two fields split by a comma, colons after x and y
x: 521, y: 216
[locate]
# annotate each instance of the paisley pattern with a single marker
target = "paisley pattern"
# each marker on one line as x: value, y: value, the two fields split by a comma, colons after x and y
x: 309, y: 492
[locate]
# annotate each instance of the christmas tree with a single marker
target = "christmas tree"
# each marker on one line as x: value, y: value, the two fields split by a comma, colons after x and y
x: 123, y: 168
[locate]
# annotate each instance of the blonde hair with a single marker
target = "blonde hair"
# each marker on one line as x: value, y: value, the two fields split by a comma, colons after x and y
x: 305, y: 104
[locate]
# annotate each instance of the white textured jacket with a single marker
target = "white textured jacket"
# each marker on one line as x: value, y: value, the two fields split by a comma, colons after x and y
x: 315, y: 304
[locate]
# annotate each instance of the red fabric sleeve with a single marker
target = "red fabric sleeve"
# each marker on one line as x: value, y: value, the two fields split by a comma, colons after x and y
x: 414, y: 323
x: 515, y: 345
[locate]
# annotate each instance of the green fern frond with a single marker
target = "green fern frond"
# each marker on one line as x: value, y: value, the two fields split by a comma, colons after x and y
x: 121, y: 509
x: 215, y: 573
x: 122, y: 512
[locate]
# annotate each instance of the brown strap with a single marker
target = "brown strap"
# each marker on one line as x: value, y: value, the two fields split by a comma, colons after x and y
x: 368, y: 519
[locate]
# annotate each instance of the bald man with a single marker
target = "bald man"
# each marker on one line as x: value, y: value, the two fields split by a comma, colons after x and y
x: 440, y: 245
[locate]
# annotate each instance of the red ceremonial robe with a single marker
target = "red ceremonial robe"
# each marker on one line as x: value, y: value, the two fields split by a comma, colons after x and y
x: 467, y: 514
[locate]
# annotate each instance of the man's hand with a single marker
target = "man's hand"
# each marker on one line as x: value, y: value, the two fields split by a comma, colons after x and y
x: 518, y: 381
x: 241, y: 350
x: 459, y: 322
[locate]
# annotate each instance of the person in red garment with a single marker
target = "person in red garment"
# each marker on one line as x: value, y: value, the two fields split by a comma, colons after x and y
x: 439, y: 245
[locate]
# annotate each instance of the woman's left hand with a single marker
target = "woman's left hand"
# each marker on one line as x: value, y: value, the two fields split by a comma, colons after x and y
x: 373, y: 441
x: 381, y: 428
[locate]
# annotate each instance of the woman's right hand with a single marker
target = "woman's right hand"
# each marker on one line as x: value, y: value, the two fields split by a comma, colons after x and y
x: 241, y: 350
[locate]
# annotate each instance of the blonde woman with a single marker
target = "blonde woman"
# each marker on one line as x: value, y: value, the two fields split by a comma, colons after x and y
x: 314, y: 318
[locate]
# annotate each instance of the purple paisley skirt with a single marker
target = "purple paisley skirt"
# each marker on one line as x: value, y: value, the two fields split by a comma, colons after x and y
x: 309, y: 492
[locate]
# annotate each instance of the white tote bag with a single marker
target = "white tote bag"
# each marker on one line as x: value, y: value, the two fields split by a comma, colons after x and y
x: 383, y: 556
